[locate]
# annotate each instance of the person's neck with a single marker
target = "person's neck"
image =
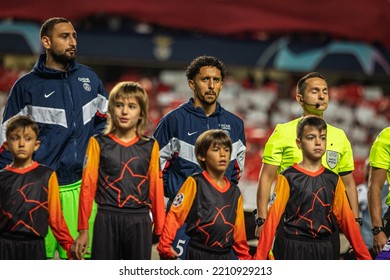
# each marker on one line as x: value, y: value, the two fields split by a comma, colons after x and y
x: 22, y: 164
x: 207, y: 109
x: 311, y: 165
x: 320, y: 114
x: 52, y: 64
x: 125, y: 136
x: 218, y: 178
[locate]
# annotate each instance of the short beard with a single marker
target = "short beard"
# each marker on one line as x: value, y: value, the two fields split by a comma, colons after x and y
x: 62, y: 58
x: 207, y: 102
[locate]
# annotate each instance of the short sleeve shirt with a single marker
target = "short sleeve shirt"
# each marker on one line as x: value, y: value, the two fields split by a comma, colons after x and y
x: 281, y: 148
x: 380, y: 154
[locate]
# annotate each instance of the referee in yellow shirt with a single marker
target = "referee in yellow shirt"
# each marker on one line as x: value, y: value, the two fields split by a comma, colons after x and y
x: 281, y: 151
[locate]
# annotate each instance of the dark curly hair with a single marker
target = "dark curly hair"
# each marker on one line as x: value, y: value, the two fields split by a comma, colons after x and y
x: 201, y: 61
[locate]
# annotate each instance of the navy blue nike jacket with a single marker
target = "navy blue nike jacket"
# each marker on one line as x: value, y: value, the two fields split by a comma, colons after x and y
x: 69, y: 107
x: 176, y: 134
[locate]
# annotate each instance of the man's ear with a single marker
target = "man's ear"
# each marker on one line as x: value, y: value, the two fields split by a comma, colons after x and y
x: 299, y: 98
x: 46, y: 43
x: 6, y: 145
x: 191, y: 84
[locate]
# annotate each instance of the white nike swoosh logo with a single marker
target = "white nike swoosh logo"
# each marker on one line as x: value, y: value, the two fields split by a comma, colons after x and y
x: 191, y: 133
x: 48, y: 94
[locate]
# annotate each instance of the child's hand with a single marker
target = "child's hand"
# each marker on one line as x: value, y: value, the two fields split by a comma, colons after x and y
x: 169, y: 256
x: 80, y: 245
x: 72, y: 253
x: 258, y: 231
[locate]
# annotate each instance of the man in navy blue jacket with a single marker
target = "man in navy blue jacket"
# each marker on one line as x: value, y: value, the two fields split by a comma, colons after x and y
x: 178, y: 130
x: 69, y: 103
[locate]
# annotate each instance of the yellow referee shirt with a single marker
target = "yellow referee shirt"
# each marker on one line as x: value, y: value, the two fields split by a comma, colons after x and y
x: 380, y: 154
x: 281, y: 149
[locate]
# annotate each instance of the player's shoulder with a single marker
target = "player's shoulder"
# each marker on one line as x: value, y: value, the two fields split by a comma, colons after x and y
x: 381, y: 142
x: 176, y: 113
x: 288, y: 126
x: 45, y: 167
x: 335, y: 131
x: 232, y: 117
x: 330, y: 173
x: 43, y: 170
x: 26, y: 80
x: 385, y: 133
x: 147, y: 140
x: 288, y: 171
x: 86, y: 74
x: 83, y: 67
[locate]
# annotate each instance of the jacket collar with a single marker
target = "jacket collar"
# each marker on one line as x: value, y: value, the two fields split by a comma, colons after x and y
x: 189, y: 106
x: 41, y: 70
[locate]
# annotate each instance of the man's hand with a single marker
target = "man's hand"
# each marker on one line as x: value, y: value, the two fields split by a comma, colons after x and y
x: 258, y: 231
x: 379, y: 241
